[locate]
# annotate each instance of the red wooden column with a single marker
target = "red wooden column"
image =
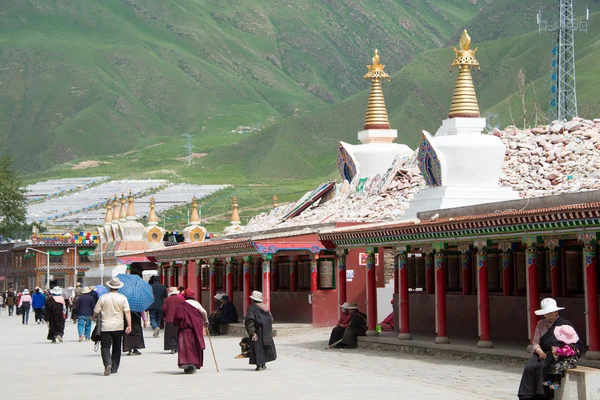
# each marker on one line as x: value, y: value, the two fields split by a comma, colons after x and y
x: 483, y: 296
x: 314, y: 259
x: 403, y: 293
x: 212, y: 283
x: 293, y: 273
x: 246, y: 273
x: 199, y: 281
x: 429, y: 273
x: 172, y: 274
x: 440, y: 295
x: 229, y: 278
x: 590, y: 286
x: 532, y: 286
x: 185, y: 275
x: 341, y: 278
x: 465, y: 267
x: 371, y: 292
x: 266, y: 274
x: 506, y: 261
x: 553, y: 245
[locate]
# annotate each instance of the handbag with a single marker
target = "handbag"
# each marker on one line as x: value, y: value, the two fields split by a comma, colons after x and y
x: 97, y: 332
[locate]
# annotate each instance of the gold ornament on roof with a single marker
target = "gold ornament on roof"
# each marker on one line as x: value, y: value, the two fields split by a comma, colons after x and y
x: 115, y: 216
x: 376, y: 117
x: 152, y: 218
x: 130, y: 206
x: 194, y: 218
x: 108, y: 217
x: 464, y: 99
x: 275, y: 201
x: 123, y: 209
x: 235, y: 215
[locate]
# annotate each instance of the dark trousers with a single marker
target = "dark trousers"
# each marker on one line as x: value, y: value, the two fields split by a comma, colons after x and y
x: 11, y: 310
x: 108, y: 339
x: 38, y: 314
x: 25, y: 313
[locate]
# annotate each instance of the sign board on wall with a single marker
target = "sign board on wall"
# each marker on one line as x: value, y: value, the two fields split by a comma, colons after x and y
x: 349, y: 275
x: 362, y: 259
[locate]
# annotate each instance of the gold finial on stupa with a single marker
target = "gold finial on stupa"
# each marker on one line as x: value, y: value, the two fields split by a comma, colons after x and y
x: 152, y: 218
x: 464, y: 99
x: 275, y: 201
x: 195, y: 217
x: 115, y: 215
x: 123, y: 209
x: 235, y: 215
x: 130, y: 206
x: 108, y: 217
x: 376, y: 117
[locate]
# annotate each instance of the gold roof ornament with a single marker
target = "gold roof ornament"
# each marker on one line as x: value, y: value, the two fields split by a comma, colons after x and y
x: 115, y: 216
x: 152, y: 218
x: 377, y: 117
x: 123, y: 209
x: 275, y: 205
x: 195, y: 217
x: 130, y: 207
x: 464, y: 99
x: 108, y: 217
x: 235, y: 215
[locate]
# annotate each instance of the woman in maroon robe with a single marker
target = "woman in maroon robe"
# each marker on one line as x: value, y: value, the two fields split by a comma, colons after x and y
x: 190, y: 318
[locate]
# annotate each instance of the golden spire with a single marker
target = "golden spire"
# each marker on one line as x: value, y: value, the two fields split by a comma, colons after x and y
x: 122, y: 210
x: 152, y: 218
x: 194, y: 218
x: 275, y: 201
x: 464, y: 100
x: 108, y: 217
x: 235, y: 215
x: 130, y: 207
x: 377, y: 117
x: 115, y: 216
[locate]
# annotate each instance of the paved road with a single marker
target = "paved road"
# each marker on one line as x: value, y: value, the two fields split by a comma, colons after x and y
x: 30, y: 365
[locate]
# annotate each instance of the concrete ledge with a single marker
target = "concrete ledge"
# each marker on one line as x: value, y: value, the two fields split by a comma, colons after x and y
x: 239, y: 329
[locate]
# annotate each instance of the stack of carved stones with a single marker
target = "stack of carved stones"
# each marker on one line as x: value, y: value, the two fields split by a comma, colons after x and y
x: 560, y: 158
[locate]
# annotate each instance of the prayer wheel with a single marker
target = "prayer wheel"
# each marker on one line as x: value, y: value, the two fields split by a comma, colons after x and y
x: 453, y: 272
x: 284, y: 274
x: 325, y: 271
x: 303, y: 268
x: 574, y: 265
x: 494, y: 281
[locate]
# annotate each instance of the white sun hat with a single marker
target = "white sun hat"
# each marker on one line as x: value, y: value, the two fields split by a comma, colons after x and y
x: 257, y: 296
x: 548, y: 306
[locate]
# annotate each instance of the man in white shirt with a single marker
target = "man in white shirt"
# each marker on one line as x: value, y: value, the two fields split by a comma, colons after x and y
x: 112, y: 306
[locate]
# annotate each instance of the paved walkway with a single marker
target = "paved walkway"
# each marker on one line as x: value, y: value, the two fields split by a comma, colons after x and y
x: 304, y: 370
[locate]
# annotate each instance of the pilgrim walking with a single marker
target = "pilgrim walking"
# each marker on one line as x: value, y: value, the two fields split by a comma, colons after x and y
x: 54, y: 313
x: 25, y: 305
x: 190, y: 318
x: 112, y: 307
x: 169, y: 307
x: 133, y: 342
x: 38, y: 300
x: 259, y: 325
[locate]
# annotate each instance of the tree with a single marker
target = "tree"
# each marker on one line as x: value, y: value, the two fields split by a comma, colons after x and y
x: 12, y: 199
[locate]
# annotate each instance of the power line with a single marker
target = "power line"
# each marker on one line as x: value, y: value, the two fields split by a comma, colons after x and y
x: 189, y: 148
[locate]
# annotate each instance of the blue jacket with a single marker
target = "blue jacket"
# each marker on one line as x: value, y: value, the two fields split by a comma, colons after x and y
x: 85, y: 306
x: 38, y: 300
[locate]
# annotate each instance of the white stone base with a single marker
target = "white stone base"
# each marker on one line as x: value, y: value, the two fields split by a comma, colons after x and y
x: 441, y: 197
x: 378, y: 136
x: 375, y: 158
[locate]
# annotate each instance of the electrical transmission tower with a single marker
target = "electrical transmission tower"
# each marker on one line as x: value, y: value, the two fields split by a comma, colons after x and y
x: 563, y: 94
x: 189, y: 148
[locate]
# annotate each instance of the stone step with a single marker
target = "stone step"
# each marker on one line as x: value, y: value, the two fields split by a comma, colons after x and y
x: 239, y: 329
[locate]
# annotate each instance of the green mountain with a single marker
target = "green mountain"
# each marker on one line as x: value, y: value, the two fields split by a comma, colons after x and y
x: 86, y: 78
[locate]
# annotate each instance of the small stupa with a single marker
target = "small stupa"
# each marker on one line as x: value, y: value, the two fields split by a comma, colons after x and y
x: 235, y: 218
x: 153, y: 234
x: 194, y: 232
x: 461, y: 165
x: 275, y: 205
x: 131, y: 229
x: 378, y: 150
x: 115, y: 218
x: 123, y: 209
x: 106, y: 231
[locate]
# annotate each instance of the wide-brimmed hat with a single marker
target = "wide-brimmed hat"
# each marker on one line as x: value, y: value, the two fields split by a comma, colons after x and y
x: 257, y: 296
x: 172, y: 290
x: 86, y: 290
x: 566, y: 334
x: 115, y: 283
x: 218, y: 296
x: 25, y: 291
x: 78, y: 284
x: 548, y: 306
x: 189, y: 294
x: 56, y: 290
x: 345, y: 305
x: 352, y: 306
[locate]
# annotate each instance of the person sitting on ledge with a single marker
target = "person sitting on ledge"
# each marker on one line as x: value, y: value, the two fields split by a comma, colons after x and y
x: 356, y: 327
x: 337, y: 333
x: 227, y: 315
x: 387, y: 325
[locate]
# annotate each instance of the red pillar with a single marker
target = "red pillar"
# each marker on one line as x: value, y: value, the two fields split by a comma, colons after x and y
x: 313, y: 272
x: 293, y: 274
x: 483, y: 300
x: 212, y: 282
x: 404, y: 305
x: 533, y: 293
x: 429, y: 275
x: 172, y: 275
x: 246, y: 273
x: 266, y: 273
x: 185, y: 276
x: 591, y: 302
x: 507, y: 273
x: 465, y: 270
x: 341, y: 281
x: 371, y: 292
x: 229, y: 279
x: 161, y: 274
x: 440, y: 299
x: 396, y: 276
x: 199, y: 281
x: 555, y: 274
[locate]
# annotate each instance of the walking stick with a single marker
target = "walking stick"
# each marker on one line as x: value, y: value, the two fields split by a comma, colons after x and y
x: 212, y: 348
x: 333, y: 344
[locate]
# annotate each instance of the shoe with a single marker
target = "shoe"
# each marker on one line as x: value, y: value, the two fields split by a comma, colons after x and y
x: 59, y: 338
x: 156, y: 332
x: 113, y: 371
x: 264, y: 366
x: 81, y: 338
x: 107, y: 370
x: 130, y: 353
x: 554, y: 386
x: 173, y: 352
x: 53, y: 342
x: 259, y: 368
x: 190, y: 370
x: 137, y: 352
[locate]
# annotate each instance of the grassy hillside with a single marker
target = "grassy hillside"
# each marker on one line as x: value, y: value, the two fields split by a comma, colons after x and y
x: 88, y: 78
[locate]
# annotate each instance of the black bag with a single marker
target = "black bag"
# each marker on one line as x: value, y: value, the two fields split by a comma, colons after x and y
x: 96, y: 333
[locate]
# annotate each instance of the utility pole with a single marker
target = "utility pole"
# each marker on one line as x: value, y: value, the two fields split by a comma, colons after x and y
x: 189, y: 148
x: 563, y: 94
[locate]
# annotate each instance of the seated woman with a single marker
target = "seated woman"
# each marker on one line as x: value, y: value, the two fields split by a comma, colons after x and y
x: 387, y: 325
x: 337, y: 333
x: 356, y: 327
x: 545, y: 346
